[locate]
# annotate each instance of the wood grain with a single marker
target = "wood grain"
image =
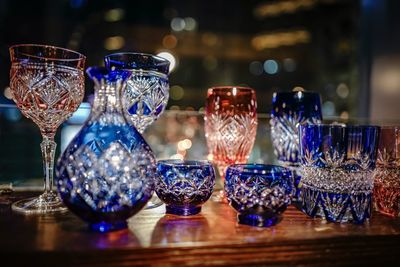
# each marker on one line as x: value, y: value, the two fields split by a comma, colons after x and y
x: 210, y: 238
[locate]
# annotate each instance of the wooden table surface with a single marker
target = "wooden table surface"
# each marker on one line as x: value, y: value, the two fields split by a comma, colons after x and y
x: 210, y: 238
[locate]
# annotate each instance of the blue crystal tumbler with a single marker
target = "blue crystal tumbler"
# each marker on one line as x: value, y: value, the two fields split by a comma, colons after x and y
x: 337, y: 167
x: 106, y: 174
x: 289, y: 110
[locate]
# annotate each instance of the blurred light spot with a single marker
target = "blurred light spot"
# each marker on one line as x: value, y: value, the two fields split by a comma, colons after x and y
x: 298, y: 89
x: 210, y: 63
x: 176, y: 92
x: 174, y: 107
x: 209, y: 39
x: 210, y: 157
x: 190, y: 24
x: 201, y: 109
x: 177, y: 24
x: 184, y: 144
x: 234, y: 91
x: 168, y: 56
x: 169, y: 41
x: 271, y: 66
x: 344, y: 115
x: 12, y: 114
x: 328, y: 108
x: 256, y: 68
x: 276, y: 8
x: 114, y: 43
x: 189, y: 131
x: 274, y: 40
x: 113, y: 15
x: 81, y: 114
x: 289, y: 64
x: 7, y: 93
x: 177, y: 156
x: 342, y: 90
x: 170, y: 13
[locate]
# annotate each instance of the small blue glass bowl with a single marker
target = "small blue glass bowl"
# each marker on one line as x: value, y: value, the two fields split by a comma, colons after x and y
x: 184, y: 185
x: 260, y: 193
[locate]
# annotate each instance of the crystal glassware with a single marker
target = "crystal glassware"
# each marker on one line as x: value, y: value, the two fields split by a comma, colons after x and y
x: 289, y: 109
x: 147, y: 91
x: 337, y: 171
x: 259, y: 193
x: 184, y: 185
x: 387, y: 172
x: 230, y: 125
x: 47, y: 84
x: 106, y: 174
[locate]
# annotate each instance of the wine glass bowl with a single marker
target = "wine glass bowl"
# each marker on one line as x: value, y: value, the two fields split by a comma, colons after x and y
x: 147, y: 91
x: 47, y: 85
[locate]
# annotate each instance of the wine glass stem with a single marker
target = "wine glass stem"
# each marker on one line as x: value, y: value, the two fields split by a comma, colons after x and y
x: 48, y: 147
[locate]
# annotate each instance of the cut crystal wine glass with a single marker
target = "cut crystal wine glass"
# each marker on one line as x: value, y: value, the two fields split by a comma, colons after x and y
x: 47, y: 84
x: 147, y: 91
x: 230, y: 125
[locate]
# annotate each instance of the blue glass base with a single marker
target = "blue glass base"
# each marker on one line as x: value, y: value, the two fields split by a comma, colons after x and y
x: 336, y: 207
x: 258, y: 220
x: 107, y: 227
x: 182, y: 211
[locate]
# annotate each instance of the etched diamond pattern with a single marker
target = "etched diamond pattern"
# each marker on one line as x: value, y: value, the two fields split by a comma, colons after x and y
x: 230, y: 138
x: 255, y: 191
x: 284, y: 135
x: 109, y: 179
x: 145, y: 98
x: 185, y: 187
x: 46, y: 94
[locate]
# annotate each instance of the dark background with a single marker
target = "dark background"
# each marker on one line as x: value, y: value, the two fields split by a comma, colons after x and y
x: 347, y: 50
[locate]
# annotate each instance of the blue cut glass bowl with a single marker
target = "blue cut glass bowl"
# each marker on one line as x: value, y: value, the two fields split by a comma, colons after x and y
x: 259, y: 193
x: 337, y: 171
x: 184, y: 185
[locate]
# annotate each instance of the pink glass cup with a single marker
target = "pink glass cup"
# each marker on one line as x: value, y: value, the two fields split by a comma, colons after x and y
x: 387, y: 172
x: 230, y: 125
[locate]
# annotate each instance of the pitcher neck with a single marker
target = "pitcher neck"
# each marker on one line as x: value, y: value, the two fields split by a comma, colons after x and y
x: 107, y: 96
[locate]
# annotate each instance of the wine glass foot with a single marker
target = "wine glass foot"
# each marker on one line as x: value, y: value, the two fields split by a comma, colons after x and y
x: 153, y: 203
x: 46, y: 203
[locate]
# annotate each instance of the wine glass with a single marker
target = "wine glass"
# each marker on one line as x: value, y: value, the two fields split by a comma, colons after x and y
x: 230, y: 125
x: 47, y: 84
x: 147, y: 91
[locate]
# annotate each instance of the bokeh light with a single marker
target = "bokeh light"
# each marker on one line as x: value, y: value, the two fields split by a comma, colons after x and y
x: 271, y: 66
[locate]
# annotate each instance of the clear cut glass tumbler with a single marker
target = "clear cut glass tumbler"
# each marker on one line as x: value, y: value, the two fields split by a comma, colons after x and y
x: 337, y: 167
x: 47, y: 84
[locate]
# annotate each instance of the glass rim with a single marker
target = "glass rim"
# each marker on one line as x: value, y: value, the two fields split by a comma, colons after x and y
x: 184, y: 163
x: 78, y: 58
x: 230, y: 87
x: 163, y: 61
x: 268, y: 168
x: 338, y: 126
x: 289, y: 93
